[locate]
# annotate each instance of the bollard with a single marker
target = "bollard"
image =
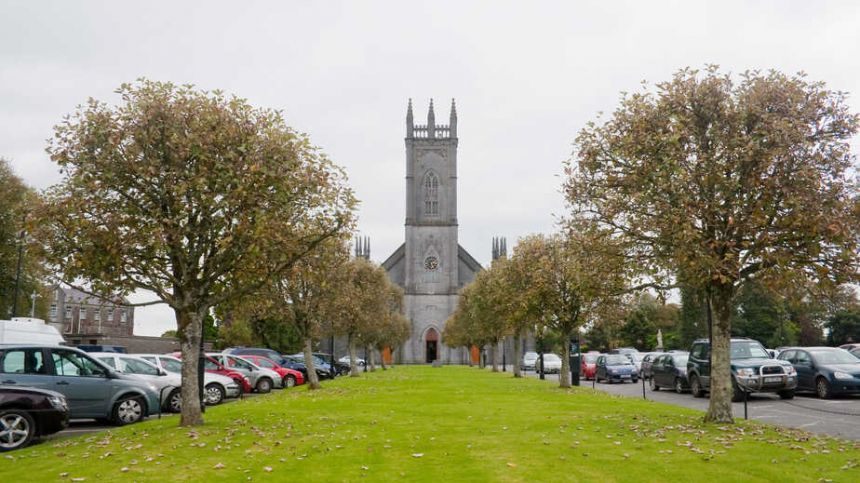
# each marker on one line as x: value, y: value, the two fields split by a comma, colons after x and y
x: 643, y: 389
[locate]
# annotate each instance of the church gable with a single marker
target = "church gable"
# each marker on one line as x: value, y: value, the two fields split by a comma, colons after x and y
x: 395, y: 266
x: 467, y: 266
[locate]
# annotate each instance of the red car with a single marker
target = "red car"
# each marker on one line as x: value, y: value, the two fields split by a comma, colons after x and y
x: 291, y: 377
x: 211, y: 365
x: 588, y: 367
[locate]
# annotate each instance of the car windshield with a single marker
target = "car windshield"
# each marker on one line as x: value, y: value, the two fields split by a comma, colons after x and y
x: 635, y: 356
x: 838, y: 356
x: 137, y: 366
x: 171, y: 365
x: 530, y: 355
x: 551, y: 358
x: 589, y: 358
x: 681, y: 361
x: 748, y: 349
x: 617, y: 360
x: 240, y: 363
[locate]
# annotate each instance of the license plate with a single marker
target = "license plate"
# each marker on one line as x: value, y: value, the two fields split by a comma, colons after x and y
x: 625, y: 376
x: 773, y: 379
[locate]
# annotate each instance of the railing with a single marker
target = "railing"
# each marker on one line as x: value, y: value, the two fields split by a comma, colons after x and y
x: 439, y: 131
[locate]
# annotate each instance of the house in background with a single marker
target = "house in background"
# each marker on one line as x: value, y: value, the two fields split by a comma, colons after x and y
x: 86, y: 319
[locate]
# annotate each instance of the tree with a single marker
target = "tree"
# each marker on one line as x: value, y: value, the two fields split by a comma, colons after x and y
x: 725, y: 182
x: 390, y: 328
x: 578, y: 279
x: 761, y: 314
x: 194, y: 196
x: 16, y: 286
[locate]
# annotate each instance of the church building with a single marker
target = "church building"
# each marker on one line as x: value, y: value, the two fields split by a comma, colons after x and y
x: 430, y: 265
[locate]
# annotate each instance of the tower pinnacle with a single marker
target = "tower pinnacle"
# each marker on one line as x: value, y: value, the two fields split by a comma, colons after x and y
x: 409, y: 123
x: 452, y: 123
x: 431, y: 121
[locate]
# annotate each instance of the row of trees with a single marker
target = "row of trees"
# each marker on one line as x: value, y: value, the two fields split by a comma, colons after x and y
x: 717, y: 188
x: 550, y: 287
x: 326, y: 294
x: 206, y: 202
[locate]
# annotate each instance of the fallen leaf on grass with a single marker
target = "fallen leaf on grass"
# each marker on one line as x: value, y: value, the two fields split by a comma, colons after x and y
x: 267, y: 469
x: 219, y: 466
x: 417, y: 455
x: 512, y: 465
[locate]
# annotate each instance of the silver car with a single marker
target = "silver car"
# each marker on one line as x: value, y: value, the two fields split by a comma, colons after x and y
x: 216, y: 386
x: 92, y: 389
x: 261, y: 379
x: 168, y: 385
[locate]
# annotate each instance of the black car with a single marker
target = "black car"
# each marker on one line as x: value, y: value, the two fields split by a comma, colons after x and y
x: 752, y: 370
x: 827, y: 371
x: 27, y: 413
x: 340, y: 368
x: 323, y: 368
x: 669, y: 370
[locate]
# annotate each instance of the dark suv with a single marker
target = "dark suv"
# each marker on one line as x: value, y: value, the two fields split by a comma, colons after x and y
x: 752, y: 370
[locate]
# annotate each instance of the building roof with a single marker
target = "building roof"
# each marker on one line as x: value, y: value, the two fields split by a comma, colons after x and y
x: 77, y: 296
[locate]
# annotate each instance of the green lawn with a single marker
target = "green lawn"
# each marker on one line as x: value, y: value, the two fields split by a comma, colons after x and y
x: 448, y: 424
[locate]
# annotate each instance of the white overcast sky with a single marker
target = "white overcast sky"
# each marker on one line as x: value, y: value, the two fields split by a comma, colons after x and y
x: 526, y: 75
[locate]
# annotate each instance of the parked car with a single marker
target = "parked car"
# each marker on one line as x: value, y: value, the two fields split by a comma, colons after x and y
x: 529, y: 361
x: 168, y: 385
x: 102, y: 348
x: 340, y: 368
x: 92, y: 389
x: 27, y: 413
x: 272, y: 354
x: 855, y: 352
x: 645, y: 365
x: 323, y: 369
x: 210, y: 364
x: 827, y: 371
x: 623, y: 350
x: 637, y: 357
x: 262, y: 380
x: 216, y: 387
x: 289, y: 377
x: 551, y: 363
x: 850, y: 347
x: 669, y: 370
x: 358, y: 361
x: 752, y: 370
x: 615, y: 367
x: 588, y: 365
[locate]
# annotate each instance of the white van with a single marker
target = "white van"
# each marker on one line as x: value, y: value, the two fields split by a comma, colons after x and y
x: 26, y: 330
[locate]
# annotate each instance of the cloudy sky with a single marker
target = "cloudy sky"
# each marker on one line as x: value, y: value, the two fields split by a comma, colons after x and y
x: 526, y: 75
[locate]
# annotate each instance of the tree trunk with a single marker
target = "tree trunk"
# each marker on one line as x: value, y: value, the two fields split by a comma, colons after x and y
x: 564, y: 375
x: 720, y: 405
x: 313, y: 377
x: 497, y: 355
x: 518, y: 355
x: 382, y: 358
x: 189, y: 329
x: 353, y: 365
x: 370, y: 358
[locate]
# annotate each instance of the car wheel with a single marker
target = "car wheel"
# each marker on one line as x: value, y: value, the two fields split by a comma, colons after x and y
x: 215, y: 394
x: 679, y: 385
x: 264, y: 385
x: 822, y: 388
x: 17, y: 429
x: 696, y: 386
x: 128, y: 411
x: 174, y: 401
x: 789, y: 394
x: 289, y: 381
x: 653, y: 384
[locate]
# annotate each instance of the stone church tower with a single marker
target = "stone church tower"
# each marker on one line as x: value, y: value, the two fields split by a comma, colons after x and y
x: 431, y: 266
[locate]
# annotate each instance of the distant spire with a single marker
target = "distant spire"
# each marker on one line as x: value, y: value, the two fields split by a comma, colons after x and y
x: 453, y: 122
x: 409, y: 123
x: 431, y: 121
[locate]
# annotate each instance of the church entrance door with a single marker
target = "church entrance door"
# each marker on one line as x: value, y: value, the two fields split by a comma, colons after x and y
x: 431, y: 345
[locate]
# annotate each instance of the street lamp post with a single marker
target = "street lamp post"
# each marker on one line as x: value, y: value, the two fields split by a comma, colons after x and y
x: 18, y: 272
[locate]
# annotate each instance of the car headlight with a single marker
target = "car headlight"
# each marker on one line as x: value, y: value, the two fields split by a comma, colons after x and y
x: 746, y: 372
x: 58, y: 402
x: 842, y: 375
x: 790, y: 370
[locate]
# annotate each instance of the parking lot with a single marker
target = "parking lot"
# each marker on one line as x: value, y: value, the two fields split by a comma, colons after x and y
x: 835, y: 417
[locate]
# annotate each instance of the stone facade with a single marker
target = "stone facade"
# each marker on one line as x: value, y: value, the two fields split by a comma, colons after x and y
x: 431, y: 266
x: 83, y: 315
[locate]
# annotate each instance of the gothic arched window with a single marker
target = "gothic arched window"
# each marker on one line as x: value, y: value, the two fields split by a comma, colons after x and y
x: 431, y: 194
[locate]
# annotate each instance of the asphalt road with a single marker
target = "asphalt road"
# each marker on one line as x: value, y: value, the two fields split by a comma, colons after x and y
x: 838, y: 417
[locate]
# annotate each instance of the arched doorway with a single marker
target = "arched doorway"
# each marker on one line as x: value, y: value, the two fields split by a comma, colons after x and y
x: 431, y: 345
